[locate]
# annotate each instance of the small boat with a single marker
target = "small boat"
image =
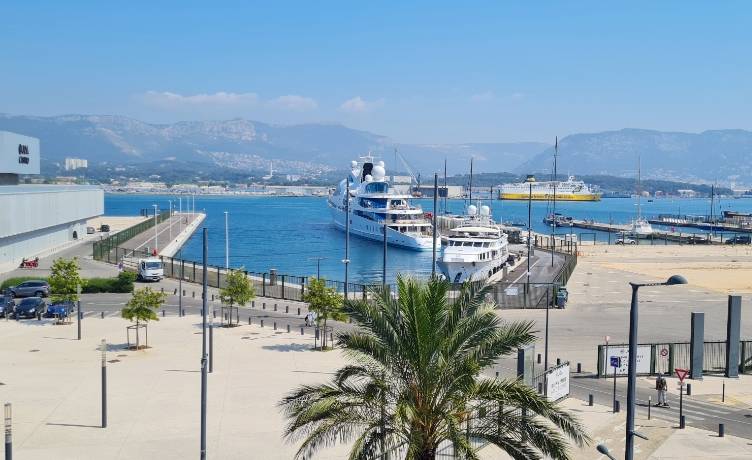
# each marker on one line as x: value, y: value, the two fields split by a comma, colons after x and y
x: 558, y: 220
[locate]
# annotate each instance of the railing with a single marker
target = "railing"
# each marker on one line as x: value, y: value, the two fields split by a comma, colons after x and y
x: 665, y: 357
x: 103, y: 247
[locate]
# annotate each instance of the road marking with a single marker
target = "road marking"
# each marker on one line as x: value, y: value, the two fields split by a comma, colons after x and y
x: 524, y: 274
x: 166, y: 228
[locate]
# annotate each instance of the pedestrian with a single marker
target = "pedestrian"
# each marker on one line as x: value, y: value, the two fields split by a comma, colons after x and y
x: 662, y: 387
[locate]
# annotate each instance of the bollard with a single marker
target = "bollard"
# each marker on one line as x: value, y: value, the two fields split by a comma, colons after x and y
x: 558, y: 361
x: 262, y: 323
x: 183, y: 292
x: 579, y: 368
x: 331, y: 337
x: 275, y: 325
x: 162, y: 313
x: 616, y: 407
x: 301, y: 331
x: 175, y: 292
x: 590, y: 400
x: 249, y: 320
x: 689, y: 389
x: 298, y: 311
x: 721, y: 430
x: 39, y: 316
x: 263, y: 305
x: 214, y: 313
x: 682, y: 422
x: 650, y: 404
x: 540, y: 387
x: 212, y: 297
x: 539, y: 358
x: 287, y: 309
x: 497, y: 374
x: 102, y: 315
x: 253, y: 304
x: 275, y: 307
x: 723, y: 394
x: 288, y: 328
x: 193, y: 294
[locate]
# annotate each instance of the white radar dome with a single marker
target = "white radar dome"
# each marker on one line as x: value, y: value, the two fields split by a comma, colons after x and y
x: 471, y: 210
x: 378, y: 172
x: 369, y: 178
x: 353, y: 164
x: 485, y: 211
x: 380, y: 163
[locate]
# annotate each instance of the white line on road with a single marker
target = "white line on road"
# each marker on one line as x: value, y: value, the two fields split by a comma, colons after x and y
x: 525, y: 274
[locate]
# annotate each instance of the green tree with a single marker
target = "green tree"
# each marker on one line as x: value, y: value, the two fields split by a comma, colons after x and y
x: 325, y: 302
x: 238, y: 291
x: 142, y: 308
x: 416, y: 382
x: 65, y: 280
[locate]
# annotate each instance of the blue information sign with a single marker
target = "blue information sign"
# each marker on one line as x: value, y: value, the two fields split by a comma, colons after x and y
x: 615, y: 361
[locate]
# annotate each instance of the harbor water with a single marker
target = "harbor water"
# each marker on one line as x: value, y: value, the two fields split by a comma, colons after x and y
x: 289, y: 233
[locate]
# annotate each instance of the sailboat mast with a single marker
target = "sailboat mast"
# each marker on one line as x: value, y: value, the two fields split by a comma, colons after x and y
x: 446, y: 190
x: 471, y: 181
x: 639, y: 189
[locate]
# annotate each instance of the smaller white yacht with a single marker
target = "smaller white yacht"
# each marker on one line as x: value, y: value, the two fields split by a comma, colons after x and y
x: 475, y: 250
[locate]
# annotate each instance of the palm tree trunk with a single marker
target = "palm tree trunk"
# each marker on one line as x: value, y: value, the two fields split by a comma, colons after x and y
x: 323, y: 339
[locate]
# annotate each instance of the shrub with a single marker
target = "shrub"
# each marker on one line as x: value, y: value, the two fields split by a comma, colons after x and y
x: 122, y: 284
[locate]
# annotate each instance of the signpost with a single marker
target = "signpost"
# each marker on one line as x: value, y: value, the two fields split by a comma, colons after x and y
x: 681, y: 374
x: 616, y: 364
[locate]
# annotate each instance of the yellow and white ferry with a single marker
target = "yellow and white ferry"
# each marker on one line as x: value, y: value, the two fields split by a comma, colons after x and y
x: 569, y: 190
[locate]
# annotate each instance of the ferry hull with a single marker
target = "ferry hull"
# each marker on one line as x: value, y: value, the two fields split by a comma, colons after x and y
x: 370, y: 230
x: 549, y: 196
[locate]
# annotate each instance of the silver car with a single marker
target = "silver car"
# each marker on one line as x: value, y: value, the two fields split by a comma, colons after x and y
x: 31, y: 288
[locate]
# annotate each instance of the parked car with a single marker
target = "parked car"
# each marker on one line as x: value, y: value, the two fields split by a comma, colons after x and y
x: 625, y: 239
x: 740, y: 239
x: 90, y: 230
x: 104, y: 228
x: 60, y: 310
x: 6, y: 305
x: 32, y: 288
x: 30, y: 307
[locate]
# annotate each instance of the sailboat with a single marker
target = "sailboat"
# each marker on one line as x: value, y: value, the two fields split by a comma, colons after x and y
x: 640, y: 226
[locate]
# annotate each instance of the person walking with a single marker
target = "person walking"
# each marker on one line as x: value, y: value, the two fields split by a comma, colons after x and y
x: 662, y: 387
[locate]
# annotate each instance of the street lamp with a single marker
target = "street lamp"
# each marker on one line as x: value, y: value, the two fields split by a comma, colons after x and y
x: 632, y: 367
x: 318, y: 265
x: 530, y: 179
x: 227, y: 244
x: 156, y: 235
x: 170, y: 222
x: 346, y: 260
x: 604, y: 450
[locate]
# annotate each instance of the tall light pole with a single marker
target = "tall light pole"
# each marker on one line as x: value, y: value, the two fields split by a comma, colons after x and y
x: 227, y: 244
x: 553, y: 221
x: 346, y: 260
x: 632, y: 367
x: 180, y: 215
x: 318, y: 265
x: 156, y: 234
x: 170, y: 220
x: 204, y: 369
x: 433, y: 221
x: 383, y: 261
x: 530, y: 179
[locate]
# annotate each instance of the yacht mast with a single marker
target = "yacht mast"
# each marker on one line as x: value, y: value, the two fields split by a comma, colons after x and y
x: 553, y: 222
x: 639, y: 189
x: 470, y: 198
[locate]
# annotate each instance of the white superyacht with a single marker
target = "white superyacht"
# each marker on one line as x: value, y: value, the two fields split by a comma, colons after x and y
x: 372, y: 202
x: 475, y: 250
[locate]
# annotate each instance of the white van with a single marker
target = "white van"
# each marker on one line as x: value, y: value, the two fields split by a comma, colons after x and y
x: 150, y: 269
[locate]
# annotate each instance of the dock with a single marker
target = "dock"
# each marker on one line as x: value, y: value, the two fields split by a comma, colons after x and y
x: 676, y: 237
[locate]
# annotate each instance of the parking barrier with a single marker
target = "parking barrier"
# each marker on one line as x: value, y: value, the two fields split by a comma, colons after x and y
x: 590, y: 400
x: 721, y: 430
x: 288, y: 328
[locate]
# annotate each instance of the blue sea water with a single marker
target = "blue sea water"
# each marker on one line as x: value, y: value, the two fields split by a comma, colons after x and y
x: 287, y: 233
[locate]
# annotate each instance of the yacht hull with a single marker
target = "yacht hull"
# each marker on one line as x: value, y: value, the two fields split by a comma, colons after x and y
x: 459, y: 272
x: 368, y: 229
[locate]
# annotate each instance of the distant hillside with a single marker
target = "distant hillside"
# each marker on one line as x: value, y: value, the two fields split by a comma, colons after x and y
x: 724, y: 155
x: 247, y: 145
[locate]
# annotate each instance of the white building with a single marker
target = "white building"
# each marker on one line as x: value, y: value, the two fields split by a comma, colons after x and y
x: 72, y: 164
x: 37, y: 219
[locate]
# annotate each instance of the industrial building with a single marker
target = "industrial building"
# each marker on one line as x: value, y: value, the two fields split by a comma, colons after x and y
x: 38, y: 219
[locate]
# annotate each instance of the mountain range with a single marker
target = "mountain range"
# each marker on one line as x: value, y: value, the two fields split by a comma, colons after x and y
x: 720, y: 155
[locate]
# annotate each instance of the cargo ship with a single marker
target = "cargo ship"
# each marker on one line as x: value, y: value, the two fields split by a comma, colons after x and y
x: 569, y: 190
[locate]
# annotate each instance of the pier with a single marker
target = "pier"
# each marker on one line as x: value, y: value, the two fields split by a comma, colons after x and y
x: 667, y: 236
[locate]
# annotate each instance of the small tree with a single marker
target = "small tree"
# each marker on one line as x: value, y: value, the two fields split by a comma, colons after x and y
x: 64, y: 280
x: 238, y: 291
x: 143, y: 307
x: 325, y: 302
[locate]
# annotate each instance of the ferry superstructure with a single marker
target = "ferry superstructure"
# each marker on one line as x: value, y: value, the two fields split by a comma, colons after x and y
x: 372, y: 202
x: 569, y: 190
x: 475, y: 250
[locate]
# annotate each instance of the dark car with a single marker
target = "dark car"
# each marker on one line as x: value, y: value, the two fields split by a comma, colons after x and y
x: 60, y: 310
x: 740, y: 239
x: 30, y: 307
x: 6, y: 305
x: 104, y: 228
x: 31, y: 288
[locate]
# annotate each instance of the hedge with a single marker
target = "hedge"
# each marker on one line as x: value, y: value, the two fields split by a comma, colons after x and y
x: 122, y: 284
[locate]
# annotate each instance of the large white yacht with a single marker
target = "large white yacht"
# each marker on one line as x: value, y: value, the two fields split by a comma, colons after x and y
x: 475, y: 250
x: 372, y: 201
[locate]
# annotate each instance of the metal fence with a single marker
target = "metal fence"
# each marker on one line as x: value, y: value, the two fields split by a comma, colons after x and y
x: 665, y: 357
x: 102, y: 248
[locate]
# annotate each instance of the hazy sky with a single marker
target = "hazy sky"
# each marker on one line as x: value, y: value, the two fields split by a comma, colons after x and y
x: 429, y: 72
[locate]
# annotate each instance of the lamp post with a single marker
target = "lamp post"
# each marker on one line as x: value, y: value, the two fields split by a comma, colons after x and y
x: 383, y: 261
x: 318, y: 265
x: 156, y: 234
x: 104, y: 383
x: 346, y: 260
x: 8, y: 432
x: 632, y: 367
x: 180, y: 217
x: 227, y: 244
x: 433, y: 222
x: 530, y: 179
x: 204, y: 369
x: 170, y: 220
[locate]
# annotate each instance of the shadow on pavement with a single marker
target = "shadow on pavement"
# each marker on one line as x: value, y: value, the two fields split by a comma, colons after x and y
x: 287, y: 347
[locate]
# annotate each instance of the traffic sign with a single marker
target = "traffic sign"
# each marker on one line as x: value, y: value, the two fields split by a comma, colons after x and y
x: 664, y: 352
x: 615, y: 361
x: 681, y: 373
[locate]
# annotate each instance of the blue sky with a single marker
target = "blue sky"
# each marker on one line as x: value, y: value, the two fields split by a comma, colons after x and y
x: 419, y: 72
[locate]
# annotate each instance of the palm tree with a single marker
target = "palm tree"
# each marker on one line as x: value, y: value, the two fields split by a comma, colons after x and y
x: 416, y: 383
